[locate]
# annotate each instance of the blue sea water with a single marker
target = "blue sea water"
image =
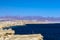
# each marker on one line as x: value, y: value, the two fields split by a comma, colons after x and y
x: 49, y: 31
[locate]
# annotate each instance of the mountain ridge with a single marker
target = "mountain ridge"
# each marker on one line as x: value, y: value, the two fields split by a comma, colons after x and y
x: 39, y: 18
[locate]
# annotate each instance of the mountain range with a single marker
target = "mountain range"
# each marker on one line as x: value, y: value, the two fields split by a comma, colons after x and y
x: 39, y: 18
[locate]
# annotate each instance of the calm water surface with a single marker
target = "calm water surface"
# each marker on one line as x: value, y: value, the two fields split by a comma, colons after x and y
x: 49, y: 31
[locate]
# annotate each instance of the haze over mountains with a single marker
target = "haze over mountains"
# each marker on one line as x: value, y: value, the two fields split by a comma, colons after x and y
x: 39, y: 18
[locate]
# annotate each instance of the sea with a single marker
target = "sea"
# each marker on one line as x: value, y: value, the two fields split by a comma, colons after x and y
x: 49, y: 31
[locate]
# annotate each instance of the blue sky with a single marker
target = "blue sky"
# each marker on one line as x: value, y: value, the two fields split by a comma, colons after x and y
x: 30, y: 8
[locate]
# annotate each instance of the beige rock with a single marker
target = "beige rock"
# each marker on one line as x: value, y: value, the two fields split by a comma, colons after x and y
x: 9, y: 35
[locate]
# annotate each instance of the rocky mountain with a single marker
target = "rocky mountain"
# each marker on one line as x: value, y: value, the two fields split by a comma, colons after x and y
x: 39, y: 18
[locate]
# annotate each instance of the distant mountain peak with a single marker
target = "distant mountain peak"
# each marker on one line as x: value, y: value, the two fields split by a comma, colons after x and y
x: 39, y: 18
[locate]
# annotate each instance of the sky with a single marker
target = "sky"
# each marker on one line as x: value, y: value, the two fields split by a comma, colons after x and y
x: 46, y: 8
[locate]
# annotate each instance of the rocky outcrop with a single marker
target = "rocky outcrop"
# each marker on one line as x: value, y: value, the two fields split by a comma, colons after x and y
x: 9, y: 35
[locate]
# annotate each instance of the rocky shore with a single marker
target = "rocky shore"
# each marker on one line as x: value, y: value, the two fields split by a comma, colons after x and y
x: 8, y: 34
